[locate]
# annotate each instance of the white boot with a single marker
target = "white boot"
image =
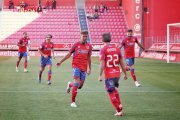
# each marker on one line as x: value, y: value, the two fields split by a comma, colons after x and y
x: 137, y: 84
x: 73, y: 104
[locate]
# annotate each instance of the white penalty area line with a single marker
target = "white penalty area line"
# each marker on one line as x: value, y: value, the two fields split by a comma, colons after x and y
x: 89, y: 91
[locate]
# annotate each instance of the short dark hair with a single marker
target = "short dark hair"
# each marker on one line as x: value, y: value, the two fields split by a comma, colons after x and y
x: 129, y: 30
x: 106, y: 37
x: 49, y: 35
x: 84, y: 32
x: 24, y: 33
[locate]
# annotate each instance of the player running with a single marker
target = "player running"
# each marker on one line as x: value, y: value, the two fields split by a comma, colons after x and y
x: 81, y: 64
x: 47, y: 52
x: 110, y: 59
x: 129, y: 53
x: 22, y: 52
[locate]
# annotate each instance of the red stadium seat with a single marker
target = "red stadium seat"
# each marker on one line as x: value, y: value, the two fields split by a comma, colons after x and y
x: 61, y: 23
x: 113, y: 21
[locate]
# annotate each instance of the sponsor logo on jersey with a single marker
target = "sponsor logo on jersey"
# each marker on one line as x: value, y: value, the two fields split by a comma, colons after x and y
x: 83, y: 51
x: 111, y: 49
x: 130, y: 44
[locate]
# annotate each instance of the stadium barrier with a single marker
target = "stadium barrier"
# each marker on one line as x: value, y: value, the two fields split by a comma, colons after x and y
x: 35, y: 53
x: 159, y: 51
x: 57, y: 46
x: 174, y: 57
x: 61, y: 49
x: 162, y: 47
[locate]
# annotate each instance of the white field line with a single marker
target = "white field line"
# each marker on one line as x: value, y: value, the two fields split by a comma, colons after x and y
x: 18, y: 91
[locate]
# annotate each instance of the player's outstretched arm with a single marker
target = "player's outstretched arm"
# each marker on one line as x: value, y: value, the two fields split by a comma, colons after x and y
x: 123, y: 68
x: 141, y: 46
x: 63, y: 59
x: 101, y: 69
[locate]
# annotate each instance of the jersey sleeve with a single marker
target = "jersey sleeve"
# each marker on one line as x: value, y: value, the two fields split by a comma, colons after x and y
x: 102, y: 54
x: 72, y: 50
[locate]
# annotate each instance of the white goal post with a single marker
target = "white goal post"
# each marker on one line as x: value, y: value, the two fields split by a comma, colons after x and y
x: 173, y: 38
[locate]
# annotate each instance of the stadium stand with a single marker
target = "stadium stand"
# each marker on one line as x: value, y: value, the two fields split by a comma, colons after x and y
x: 112, y: 21
x: 62, y: 23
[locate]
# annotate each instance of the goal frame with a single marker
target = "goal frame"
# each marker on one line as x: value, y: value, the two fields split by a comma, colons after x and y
x: 168, y: 40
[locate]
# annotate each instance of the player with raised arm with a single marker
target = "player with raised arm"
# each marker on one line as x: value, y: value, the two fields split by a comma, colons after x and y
x: 129, y: 53
x: 22, y: 51
x: 110, y: 60
x: 81, y: 64
x: 46, y: 50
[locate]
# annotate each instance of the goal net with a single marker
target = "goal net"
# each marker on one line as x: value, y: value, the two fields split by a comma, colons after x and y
x: 173, y: 43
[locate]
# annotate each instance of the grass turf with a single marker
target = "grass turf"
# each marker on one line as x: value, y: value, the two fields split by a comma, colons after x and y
x: 23, y: 98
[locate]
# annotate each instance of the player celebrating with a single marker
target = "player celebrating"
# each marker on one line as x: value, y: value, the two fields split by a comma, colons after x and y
x: 22, y: 52
x: 81, y: 64
x: 46, y: 49
x: 129, y: 43
x: 110, y: 59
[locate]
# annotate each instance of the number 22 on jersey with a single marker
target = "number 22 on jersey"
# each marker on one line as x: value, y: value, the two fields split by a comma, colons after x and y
x: 112, y: 60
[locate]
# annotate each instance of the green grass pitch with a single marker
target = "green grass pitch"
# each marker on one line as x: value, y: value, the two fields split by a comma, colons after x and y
x: 23, y: 98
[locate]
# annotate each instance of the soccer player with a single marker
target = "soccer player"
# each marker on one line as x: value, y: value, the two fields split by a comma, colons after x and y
x: 81, y: 64
x: 129, y: 53
x: 22, y: 52
x: 110, y: 60
x: 47, y: 52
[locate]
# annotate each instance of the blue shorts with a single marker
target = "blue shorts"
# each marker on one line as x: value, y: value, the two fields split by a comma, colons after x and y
x: 22, y: 54
x: 45, y: 61
x: 111, y: 83
x: 77, y: 73
x: 129, y: 61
